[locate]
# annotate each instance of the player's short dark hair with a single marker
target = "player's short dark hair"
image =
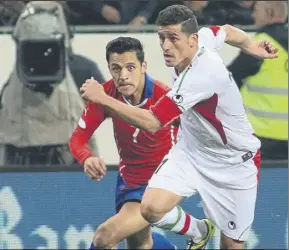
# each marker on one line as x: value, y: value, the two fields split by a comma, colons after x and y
x: 125, y: 44
x: 178, y: 14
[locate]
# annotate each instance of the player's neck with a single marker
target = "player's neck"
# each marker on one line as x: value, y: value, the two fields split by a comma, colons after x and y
x: 136, y: 97
x: 185, y: 63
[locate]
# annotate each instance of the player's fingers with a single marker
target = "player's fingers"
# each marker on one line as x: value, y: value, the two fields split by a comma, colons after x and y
x: 89, y: 81
x: 270, y: 48
x: 84, y: 96
x: 97, y: 168
x: 102, y: 164
x: 98, y: 177
x: 272, y: 55
x: 100, y: 168
x: 267, y: 43
x: 91, y: 173
x: 95, y: 175
x: 82, y: 88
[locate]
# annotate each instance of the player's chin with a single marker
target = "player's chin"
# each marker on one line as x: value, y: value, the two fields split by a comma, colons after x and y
x: 127, y: 92
x: 170, y: 63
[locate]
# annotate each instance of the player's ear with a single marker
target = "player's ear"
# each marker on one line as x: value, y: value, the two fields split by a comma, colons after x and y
x: 193, y: 40
x: 144, y: 67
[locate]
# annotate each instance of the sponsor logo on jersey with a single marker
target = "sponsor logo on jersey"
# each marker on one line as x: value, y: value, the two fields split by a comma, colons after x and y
x: 231, y: 225
x: 178, y: 99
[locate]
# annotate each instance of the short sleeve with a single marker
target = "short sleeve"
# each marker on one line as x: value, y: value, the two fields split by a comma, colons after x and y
x: 212, y: 38
x: 187, y: 91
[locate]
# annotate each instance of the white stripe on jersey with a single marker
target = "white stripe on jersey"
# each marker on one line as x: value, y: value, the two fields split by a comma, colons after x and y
x: 173, y: 136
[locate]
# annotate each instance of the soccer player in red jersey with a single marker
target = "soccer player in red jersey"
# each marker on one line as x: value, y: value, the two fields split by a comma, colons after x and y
x: 140, y: 152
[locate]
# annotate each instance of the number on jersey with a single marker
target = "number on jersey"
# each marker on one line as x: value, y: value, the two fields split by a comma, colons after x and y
x: 135, y: 134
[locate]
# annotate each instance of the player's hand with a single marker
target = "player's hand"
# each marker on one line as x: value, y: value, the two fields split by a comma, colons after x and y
x: 95, y: 168
x: 261, y: 49
x: 92, y: 91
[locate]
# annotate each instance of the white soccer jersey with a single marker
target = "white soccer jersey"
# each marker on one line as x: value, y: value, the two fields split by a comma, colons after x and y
x: 217, y: 154
x: 213, y: 120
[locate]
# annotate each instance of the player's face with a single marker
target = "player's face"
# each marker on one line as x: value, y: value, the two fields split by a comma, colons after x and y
x: 177, y: 46
x: 127, y: 72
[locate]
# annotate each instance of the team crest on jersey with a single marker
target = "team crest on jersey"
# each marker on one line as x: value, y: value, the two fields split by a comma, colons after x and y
x: 201, y: 51
x: 178, y: 99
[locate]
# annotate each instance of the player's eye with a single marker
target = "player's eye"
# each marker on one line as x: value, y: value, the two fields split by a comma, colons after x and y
x: 162, y: 39
x: 130, y: 68
x: 173, y: 39
x: 115, y: 69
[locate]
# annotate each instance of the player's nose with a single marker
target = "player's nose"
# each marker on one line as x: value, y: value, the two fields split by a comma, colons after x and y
x: 166, y: 45
x: 123, y: 74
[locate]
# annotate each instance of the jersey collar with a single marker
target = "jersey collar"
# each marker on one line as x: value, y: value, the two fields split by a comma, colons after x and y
x: 199, y: 52
x: 149, y: 86
x: 148, y: 91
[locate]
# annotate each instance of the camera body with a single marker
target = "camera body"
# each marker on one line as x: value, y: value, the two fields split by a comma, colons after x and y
x: 41, y: 61
x: 42, y: 40
x: 41, y: 103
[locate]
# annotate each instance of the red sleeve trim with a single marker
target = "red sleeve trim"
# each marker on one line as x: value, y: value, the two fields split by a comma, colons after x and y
x: 215, y: 29
x: 165, y: 110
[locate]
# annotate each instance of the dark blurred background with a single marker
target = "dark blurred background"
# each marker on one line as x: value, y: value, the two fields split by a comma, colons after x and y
x: 93, y: 12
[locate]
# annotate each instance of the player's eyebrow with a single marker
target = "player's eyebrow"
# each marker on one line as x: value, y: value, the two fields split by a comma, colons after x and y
x: 168, y: 32
x: 115, y: 64
x: 120, y: 65
x: 130, y: 63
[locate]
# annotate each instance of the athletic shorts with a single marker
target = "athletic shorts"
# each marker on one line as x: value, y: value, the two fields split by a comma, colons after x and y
x: 230, y: 206
x: 124, y: 194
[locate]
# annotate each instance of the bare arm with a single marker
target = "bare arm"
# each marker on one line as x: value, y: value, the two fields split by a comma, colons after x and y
x: 140, y: 118
x: 236, y: 37
x: 261, y: 49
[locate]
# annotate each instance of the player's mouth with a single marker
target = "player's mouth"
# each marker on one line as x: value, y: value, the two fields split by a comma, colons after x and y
x: 124, y: 87
x: 168, y: 57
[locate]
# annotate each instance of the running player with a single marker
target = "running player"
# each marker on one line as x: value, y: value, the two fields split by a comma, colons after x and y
x: 217, y: 154
x: 140, y: 152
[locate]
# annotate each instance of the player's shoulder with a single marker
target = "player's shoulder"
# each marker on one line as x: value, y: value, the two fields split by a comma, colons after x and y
x: 109, y: 88
x: 205, y: 68
x: 207, y: 61
x: 210, y: 31
x: 160, y: 88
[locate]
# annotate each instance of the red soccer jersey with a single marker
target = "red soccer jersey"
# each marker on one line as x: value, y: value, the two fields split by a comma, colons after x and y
x: 140, y: 152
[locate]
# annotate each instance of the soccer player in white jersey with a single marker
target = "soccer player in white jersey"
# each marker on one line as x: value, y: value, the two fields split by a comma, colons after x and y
x: 217, y: 154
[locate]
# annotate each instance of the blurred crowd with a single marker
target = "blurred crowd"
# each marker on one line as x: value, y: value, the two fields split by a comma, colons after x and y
x: 139, y: 12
